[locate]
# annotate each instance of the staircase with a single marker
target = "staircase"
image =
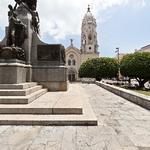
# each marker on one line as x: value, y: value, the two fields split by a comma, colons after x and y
x: 23, y: 93
x: 29, y: 104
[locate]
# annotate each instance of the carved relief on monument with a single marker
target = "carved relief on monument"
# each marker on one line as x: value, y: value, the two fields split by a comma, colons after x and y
x: 51, y: 53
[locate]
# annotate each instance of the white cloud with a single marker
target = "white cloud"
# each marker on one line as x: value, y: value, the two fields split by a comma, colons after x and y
x: 139, y: 4
x: 63, y: 17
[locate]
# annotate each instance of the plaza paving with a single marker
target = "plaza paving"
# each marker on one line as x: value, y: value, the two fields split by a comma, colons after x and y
x: 122, y: 126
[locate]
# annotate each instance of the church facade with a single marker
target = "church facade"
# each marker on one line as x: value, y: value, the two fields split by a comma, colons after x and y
x: 89, y: 46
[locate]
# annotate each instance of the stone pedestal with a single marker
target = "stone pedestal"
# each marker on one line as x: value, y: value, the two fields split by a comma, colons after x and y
x: 54, y: 78
x: 48, y: 66
x: 12, y: 72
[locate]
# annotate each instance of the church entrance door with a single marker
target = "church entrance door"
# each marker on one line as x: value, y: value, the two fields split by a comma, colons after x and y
x: 72, y: 75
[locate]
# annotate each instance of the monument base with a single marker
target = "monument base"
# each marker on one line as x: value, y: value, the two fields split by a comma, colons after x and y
x: 54, y: 78
x: 12, y: 72
x: 55, y: 86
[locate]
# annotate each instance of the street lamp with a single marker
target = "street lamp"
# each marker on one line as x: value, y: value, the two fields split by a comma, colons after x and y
x: 118, y: 53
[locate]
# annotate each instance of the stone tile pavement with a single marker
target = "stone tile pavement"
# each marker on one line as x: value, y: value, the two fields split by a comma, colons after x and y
x: 122, y: 126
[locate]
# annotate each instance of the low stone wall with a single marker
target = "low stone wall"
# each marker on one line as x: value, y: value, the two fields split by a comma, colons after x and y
x: 88, y: 80
x: 132, y: 96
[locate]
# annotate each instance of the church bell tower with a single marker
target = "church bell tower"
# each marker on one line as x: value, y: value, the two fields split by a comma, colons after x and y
x: 89, y: 43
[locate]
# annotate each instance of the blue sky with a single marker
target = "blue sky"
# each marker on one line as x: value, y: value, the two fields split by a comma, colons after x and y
x: 120, y: 23
x: 128, y: 28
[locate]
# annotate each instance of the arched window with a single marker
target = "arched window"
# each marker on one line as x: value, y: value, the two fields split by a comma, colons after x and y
x: 69, y: 62
x: 73, y: 62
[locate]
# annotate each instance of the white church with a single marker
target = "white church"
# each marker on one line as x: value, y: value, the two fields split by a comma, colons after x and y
x: 89, y: 46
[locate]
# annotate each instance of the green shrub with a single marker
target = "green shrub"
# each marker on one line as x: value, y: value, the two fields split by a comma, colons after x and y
x: 136, y: 66
x: 99, y: 68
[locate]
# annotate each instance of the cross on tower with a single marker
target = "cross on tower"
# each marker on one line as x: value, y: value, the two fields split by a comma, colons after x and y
x: 71, y: 40
x: 89, y: 8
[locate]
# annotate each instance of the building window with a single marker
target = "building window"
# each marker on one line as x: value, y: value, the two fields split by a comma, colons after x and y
x: 71, y: 56
x: 90, y: 37
x: 73, y: 62
x: 69, y: 62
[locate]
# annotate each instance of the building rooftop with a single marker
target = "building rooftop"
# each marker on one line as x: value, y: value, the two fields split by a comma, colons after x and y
x: 145, y: 47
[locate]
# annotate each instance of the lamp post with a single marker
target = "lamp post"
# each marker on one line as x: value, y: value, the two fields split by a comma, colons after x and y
x: 118, y: 53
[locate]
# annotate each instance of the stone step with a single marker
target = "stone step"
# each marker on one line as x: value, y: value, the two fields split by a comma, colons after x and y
x: 46, y: 110
x: 18, y: 86
x: 49, y: 103
x: 53, y: 108
x: 19, y: 92
x: 22, y: 99
x: 48, y: 120
x: 87, y: 118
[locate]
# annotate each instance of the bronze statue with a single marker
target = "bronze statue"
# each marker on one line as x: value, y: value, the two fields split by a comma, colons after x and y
x: 35, y: 21
x: 15, y: 37
x: 32, y: 4
x: 16, y: 30
x: 35, y: 16
x: 23, y: 3
x: 10, y: 12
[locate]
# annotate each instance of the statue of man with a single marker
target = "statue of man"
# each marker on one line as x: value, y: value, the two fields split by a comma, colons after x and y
x: 16, y: 30
x: 11, y: 28
x: 10, y: 12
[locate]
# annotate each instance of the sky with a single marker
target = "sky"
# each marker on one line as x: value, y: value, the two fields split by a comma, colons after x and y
x: 120, y: 23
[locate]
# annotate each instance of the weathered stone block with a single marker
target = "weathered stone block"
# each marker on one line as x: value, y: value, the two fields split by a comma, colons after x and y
x: 55, y: 86
x: 52, y: 77
x: 12, y: 73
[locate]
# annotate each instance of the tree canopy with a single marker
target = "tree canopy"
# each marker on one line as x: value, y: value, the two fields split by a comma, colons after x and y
x: 137, y: 66
x: 99, y: 68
